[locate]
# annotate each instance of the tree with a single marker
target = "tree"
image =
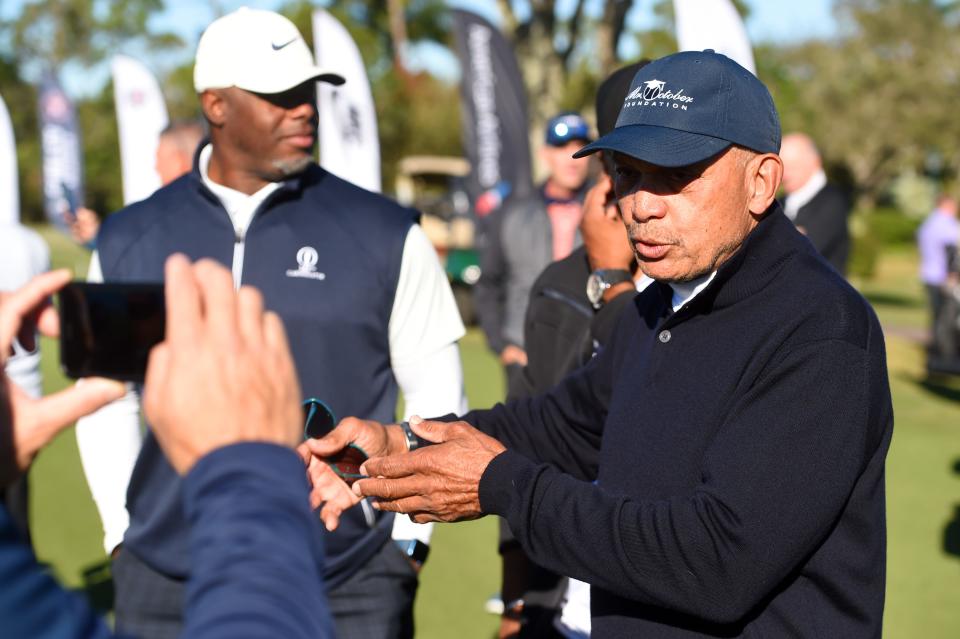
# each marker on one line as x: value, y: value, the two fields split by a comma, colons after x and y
x: 547, y: 44
x: 879, y: 99
x: 53, y: 32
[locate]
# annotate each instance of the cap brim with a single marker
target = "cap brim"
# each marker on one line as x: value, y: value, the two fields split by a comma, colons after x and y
x: 278, y: 84
x: 657, y: 145
x: 331, y: 78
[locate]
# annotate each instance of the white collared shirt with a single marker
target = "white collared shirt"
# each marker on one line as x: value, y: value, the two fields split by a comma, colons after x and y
x: 683, y: 292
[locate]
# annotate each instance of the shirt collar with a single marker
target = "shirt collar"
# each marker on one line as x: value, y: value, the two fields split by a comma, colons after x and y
x: 240, y: 206
x: 766, y: 250
x: 683, y: 292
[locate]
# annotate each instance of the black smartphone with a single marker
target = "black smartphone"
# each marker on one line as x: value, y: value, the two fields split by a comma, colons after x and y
x: 107, y: 330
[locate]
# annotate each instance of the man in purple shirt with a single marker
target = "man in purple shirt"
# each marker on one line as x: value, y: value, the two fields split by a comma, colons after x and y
x: 937, y: 240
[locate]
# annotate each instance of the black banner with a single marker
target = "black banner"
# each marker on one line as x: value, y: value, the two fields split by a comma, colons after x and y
x: 494, y: 107
x: 62, y: 156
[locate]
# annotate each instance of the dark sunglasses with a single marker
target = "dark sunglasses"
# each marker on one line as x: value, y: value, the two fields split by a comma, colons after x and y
x: 318, y: 419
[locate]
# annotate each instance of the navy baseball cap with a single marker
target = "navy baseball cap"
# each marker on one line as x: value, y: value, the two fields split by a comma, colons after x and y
x: 565, y: 128
x: 689, y: 106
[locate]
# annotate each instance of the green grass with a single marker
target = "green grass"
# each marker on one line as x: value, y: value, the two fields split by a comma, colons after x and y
x: 923, y: 489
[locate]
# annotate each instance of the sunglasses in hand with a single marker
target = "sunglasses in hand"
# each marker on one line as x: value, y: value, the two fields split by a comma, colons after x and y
x: 318, y: 420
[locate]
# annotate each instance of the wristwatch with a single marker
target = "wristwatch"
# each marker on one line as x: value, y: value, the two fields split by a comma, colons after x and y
x: 409, y: 436
x: 602, y: 279
x: 415, y: 550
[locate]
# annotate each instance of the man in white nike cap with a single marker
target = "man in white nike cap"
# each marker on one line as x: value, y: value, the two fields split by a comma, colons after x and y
x: 366, y: 305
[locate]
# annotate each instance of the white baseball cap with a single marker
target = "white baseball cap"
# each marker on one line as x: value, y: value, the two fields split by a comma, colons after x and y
x: 255, y: 50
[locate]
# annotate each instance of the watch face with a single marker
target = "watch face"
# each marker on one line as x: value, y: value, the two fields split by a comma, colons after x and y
x: 595, y: 288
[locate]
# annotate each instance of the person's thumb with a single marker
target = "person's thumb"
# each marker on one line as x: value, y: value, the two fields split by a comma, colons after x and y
x: 331, y: 443
x: 436, y: 432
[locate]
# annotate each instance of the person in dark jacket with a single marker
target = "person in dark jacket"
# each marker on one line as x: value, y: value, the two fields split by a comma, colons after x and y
x: 573, y: 308
x: 257, y: 556
x: 819, y: 209
x: 526, y: 235
x: 718, y: 469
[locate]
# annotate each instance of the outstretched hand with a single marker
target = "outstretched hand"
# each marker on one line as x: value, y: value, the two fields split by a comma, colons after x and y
x: 223, y: 373
x: 27, y: 424
x: 328, y: 489
x: 434, y: 483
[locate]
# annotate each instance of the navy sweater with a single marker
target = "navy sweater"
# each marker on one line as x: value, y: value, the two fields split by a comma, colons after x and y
x: 739, y: 449
x: 256, y: 554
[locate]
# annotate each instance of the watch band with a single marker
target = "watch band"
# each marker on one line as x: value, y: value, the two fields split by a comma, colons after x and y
x: 601, y: 280
x: 412, y: 442
x: 415, y: 550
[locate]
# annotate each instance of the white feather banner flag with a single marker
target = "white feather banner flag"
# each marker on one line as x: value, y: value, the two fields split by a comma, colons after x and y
x: 141, y: 116
x: 349, y: 141
x: 713, y: 24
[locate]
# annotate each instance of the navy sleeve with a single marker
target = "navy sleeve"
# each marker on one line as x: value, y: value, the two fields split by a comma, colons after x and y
x: 32, y: 604
x: 563, y: 427
x: 775, y: 480
x: 255, y: 547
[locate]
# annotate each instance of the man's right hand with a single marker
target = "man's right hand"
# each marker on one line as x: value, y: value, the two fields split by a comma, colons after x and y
x: 512, y: 354
x: 328, y: 489
x: 223, y: 374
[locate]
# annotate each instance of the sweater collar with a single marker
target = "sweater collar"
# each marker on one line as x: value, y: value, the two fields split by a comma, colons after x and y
x: 770, y: 245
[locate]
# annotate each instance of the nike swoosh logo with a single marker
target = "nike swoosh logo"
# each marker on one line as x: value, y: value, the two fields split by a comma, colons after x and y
x: 277, y: 47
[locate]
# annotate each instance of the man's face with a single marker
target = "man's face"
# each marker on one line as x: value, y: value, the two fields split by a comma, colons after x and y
x: 171, y: 161
x: 684, y: 222
x: 800, y: 162
x: 271, y: 136
x: 565, y: 171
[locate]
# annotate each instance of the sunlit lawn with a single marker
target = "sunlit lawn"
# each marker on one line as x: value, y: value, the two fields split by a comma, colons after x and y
x: 923, y: 486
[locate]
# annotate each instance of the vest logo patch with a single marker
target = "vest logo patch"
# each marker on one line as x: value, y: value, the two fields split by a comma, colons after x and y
x: 307, y: 258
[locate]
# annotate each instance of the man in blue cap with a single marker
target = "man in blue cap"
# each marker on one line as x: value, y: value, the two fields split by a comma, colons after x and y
x: 528, y: 235
x: 718, y: 469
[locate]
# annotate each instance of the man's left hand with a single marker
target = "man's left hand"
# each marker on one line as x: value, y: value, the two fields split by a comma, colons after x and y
x: 27, y: 424
x: 434, y: 483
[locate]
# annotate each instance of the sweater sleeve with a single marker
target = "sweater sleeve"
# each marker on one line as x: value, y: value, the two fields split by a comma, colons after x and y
x: 32, y: 604
x: 774, y: 481
x: 563, y: 427
x: 255, y: 547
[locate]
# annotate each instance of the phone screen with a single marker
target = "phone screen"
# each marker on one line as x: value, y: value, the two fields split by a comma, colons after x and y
x: 107, y: 330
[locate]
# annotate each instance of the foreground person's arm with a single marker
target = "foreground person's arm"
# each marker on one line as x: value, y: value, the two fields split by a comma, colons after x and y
x: 255, y: 547
x: 224, y: 402
x: 32, y: 604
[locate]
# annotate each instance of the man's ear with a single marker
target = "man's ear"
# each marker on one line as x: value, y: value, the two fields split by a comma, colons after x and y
x: 214, y: 105
x: 765, y: 172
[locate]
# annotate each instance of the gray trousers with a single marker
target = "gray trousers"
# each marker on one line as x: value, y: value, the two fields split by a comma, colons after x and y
x: 376, y: 602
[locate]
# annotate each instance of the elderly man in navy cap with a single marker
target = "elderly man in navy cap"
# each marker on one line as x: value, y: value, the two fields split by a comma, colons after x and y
x: 718, y: 469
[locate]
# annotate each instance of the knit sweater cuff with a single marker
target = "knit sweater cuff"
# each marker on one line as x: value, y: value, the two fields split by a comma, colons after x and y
x: 504, y: 480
